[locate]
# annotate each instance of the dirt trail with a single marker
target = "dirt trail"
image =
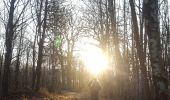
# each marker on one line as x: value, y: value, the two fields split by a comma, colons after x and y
x: 78, y: 96
x: 53, y: 96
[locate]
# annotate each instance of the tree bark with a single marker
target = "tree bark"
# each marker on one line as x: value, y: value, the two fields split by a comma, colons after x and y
x: 9, y: 49
x: 140, y: 53
x: 26, y: 68
x: 40, y: 50
x: 159, y: 73
x: 17, y: 69
x: 33, y: 64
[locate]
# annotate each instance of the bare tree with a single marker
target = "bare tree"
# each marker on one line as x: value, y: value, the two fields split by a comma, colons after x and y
x: 41, y: 43
x: 160, y: 81
x: 140, y: 52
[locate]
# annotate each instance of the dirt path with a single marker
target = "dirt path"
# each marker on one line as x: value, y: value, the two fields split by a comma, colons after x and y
x: 78, y: 96
x: 86, y: 96
x: 53, y: 96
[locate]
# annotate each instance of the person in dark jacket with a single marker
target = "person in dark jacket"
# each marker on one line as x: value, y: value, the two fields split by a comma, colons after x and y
x: 94, y: 89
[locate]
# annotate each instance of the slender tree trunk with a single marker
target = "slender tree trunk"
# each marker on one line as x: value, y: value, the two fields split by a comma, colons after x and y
x: 40, y: 50
x: 69, y: 65
x: 1, y: 67
x: 26, y: 68
x: 33, y: 64
x: 53, y: 58
x: 63, y: 76
x: 140, y: 53
x: 9, y: 49
x: 159, y: 75
x: 63, y: 73
x: 17, y: 69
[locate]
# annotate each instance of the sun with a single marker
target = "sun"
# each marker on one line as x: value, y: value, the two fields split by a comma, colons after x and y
x: 94, y: 59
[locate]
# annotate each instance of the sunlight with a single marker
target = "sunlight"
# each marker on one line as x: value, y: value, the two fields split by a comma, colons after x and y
x: 94, y: 60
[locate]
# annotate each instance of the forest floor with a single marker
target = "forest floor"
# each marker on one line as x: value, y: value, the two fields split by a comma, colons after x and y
x: 45, y: 95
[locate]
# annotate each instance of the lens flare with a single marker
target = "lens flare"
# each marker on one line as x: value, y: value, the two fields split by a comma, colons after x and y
x: 94, y: 60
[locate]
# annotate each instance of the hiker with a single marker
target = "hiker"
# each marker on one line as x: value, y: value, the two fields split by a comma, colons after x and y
x: 108, y: 84
x: 94, y: 89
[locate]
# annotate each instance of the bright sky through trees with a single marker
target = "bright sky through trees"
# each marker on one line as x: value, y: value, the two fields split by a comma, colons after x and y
x: 94, y: 59
x: 92, y: 56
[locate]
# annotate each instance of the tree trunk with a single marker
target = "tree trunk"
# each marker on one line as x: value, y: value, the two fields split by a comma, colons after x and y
x: 33, y: 64
x: 159, y: 75
x: 40, y: 50
x: 69, y: 67
x: 140, y: 53
x: 17, y: 70
x: 26, y: 69
x: 18, y: 60
x: 9, y: 49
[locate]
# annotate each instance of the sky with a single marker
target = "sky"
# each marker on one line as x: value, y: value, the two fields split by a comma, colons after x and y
x: 82, y: 43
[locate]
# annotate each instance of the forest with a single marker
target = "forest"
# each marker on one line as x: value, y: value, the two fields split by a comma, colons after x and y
x: 84, y: 49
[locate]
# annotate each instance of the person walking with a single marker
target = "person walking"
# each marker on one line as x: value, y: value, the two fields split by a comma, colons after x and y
x: 94, y: 89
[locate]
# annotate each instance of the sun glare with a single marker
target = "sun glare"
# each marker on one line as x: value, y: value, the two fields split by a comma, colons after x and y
x: 94, y: 60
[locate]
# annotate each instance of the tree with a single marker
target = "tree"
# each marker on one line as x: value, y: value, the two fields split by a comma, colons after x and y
x: 8, y: 43
x: 11, y: 27
x: 41, y: 43
x: 160, y: 81
x: 20, y: 46
x: 140, y: 52
x: 58, y: 18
